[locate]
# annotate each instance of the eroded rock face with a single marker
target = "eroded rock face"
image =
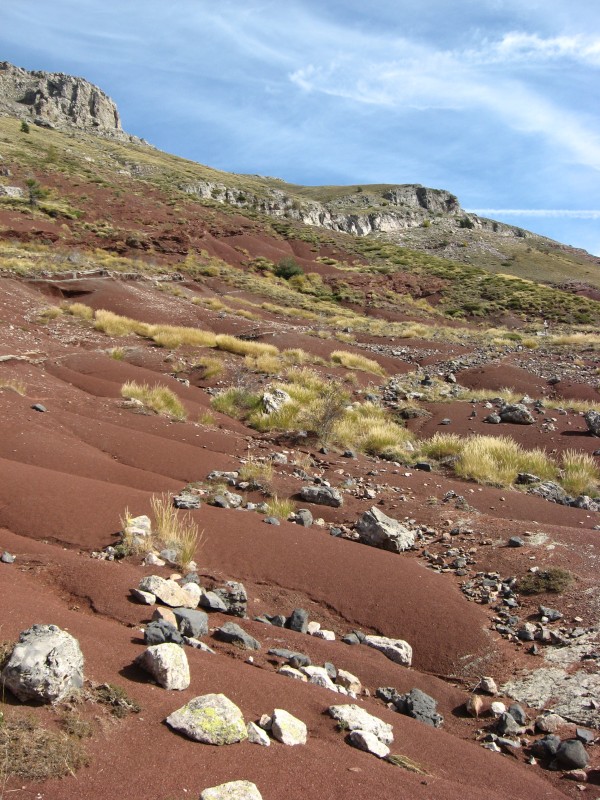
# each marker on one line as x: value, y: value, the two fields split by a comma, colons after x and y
x: 378, y: 530
x: 55, y: 100
x: 46, y: 665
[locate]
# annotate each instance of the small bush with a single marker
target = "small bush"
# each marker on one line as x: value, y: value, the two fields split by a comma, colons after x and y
x: 173, y: 336
x: 25, y: 127
x: 369, y: 428
x: 287, y: 268
x: 265, y: 364
x: 118, y: 353
x: 553, y: 580
x: 236, y: 402
x: 207, y: 419
x: 157, y: 398
x: 117, y: 699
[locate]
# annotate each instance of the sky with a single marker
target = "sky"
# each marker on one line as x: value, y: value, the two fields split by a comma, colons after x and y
x: 496, y: 101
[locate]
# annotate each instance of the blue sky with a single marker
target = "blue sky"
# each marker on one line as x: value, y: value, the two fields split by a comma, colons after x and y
x: 494, y: 100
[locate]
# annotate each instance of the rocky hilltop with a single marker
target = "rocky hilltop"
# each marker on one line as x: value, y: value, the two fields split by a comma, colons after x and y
x: 52, y: 99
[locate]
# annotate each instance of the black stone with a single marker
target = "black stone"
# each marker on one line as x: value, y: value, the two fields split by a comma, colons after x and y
x: 160, y: 631
x: 298, y: 620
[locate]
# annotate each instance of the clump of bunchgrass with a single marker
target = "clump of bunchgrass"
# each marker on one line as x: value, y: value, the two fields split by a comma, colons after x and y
x: 442, y: 445
x: 259, y: 474
x: 175, y: 530
x: 157, y: 398
x: 579, y: 473
x: 237, y: 402
x: 79, y: 310
x: 496, y: 461
x: 369, y: 428
x: 241, y: 347
x: 357, y: 361
x: 280, y: 507
x: 14, y: 385
x: 212, y: 367
x: 116, y: 325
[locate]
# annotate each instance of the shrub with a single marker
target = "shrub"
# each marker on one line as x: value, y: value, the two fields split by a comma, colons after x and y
x: 236, y: 402
x: 157, y: 398
x: 173, y: 336
x: 554, y: 580
x: 287, y: 268
x: 25, y: 127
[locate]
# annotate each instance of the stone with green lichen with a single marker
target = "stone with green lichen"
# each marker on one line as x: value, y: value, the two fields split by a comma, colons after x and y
x: 210, y: 719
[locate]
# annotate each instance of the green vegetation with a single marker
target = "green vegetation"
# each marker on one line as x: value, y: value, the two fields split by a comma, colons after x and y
x: 117, y: 700
x: 356, y: 361
x: 280, y: 508
x: 287, y: 268
x: 175, y: 530
x: 579, y: 473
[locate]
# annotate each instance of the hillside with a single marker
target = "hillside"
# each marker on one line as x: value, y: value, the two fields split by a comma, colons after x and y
x: 377, y: 439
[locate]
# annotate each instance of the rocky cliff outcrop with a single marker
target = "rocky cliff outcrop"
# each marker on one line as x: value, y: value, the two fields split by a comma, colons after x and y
x: 51, y: 99
x: 395, y: 209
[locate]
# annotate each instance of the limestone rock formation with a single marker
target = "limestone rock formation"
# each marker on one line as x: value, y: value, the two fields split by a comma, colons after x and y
x: 55, y: 100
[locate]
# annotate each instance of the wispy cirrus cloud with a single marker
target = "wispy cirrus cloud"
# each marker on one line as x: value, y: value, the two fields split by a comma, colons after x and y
x: 558, y: 213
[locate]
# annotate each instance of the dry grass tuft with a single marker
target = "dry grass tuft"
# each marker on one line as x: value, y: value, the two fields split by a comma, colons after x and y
x: 175, y: 529
x: 406, y: 763
x: 14, y: 385
x: 115, y: 325
x: 32, y: 752
x: 157, y: 398
x: 356, y: 361
x: 259, y: 474
x: 79, y: 310
x: 554, y: 580
x: 496, y: 461
x: 579, y: 473
x: 280, y: 507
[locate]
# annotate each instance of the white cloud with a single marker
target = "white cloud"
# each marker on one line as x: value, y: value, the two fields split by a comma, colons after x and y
x: 565, y: 213
x: 532, y: 47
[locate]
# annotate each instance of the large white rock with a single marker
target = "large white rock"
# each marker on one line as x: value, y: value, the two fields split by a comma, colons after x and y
x: 378, y: 530
x: 46, y: 665
x: 167, y: 591
x: 288, y: 729
x: 348, y: 681
x: 364, y: 740
x: 274, y: 399
x: 396, y: 650
x: 168, y: 665
x: 211, y: 719
x: 354, y: 718
x: 234, y: 790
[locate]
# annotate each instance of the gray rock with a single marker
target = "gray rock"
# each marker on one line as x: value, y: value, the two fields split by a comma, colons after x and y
x: 7, y: 558
x: 516, y: 541
x: 592, y: 420
x: 271, y: 521
x: 572, y: 755
x: 235, y: 598
x: 585, y: 736
x: 378, y: 530
x: 493, y: 419
x: 145, y: 598
x: 234, y: 790
x: 351, y: 639
x: 304, y: 517
x: 364, y: 740
x: 288, y: 729
x: 322, y: 496
x: 187, y: 501
x: 159, y: 631
x: 168, y: 665
x: 319, y: 677
x: 39, y: 407
x: 527, y: 478
x: 517, y: 414
x: 354, y: 718
x: 210, y: 719
x: 191, y: 622
x: 517, y: 713
x: 277, y: 620
x: 550, y: 491
x: 420, y: 706
x: 546, y: 747
x: 507, y: 725
x: 212, y: 602
x: 298, y: 620
x: 551, y: 614
x: 397, y: 650
x: 230, y: 632
x: 274, y: 399
x: 46, y: 665
x: 299, y: 659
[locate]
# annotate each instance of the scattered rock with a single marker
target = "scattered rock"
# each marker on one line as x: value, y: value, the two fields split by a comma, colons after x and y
x: 368, y: 742
x: 160, y: 631
x: 592, y: 420
x: 187, y: 500
x: 320, y: 677
x: 322, y: 496
x: 256, y: 735
x: 39, y: 407
x: 298, y: 620
x: 288, y: 729
x: 230, y: 632
x: 354, y: 718
x: 303, y: 517
x: 235, y: 598
x: 168, y: 665
x: 516, y: 541
x: 145, y: 598
x: 234, y: 790
x: 212, y: 602
x: 396, y: 650
x: 7, y: 558
x: 46, y: 665
x: 517, y: 414
x: 420, y: 706
x: 549, y: 723
x: 191, y: 622
x: 378, y: 530
x: 348, y: 681
x: 167, y: 591
x: 274, y: 399
x: 487, y: 685
x: 571, y: 754
x: 210, y: 719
